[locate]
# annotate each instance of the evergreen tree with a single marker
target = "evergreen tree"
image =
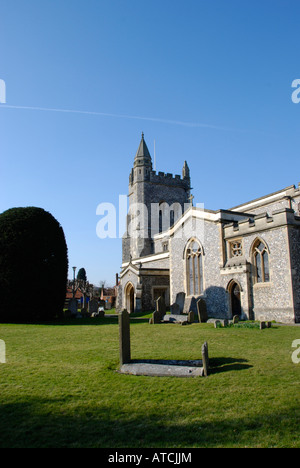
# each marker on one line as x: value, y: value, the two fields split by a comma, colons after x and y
x: 33, y: 265
x: 81, y: 275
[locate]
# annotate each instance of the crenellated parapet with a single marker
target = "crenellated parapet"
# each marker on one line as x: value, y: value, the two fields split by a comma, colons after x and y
x: 261, y: 222
x: 169, y: 179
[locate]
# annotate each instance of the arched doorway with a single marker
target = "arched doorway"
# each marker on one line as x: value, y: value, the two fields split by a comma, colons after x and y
x: 129, y: 298
x: 234, y: 290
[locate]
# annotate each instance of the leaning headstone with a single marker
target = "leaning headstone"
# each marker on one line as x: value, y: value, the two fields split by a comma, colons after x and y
x: 202, y: 311
x: 73, y: 306
x: 190, y: 303
x: 93, y: 306
x: 205, y: 360
x: 161, y: 307
x: 124, y: 337
x: 235, y: 319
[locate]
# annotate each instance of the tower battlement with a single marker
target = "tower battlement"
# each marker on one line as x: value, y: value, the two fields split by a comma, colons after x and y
x: 169, y: 179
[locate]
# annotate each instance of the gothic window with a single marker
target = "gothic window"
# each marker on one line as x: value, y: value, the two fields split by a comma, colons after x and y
x: 261, y: 262
x: 194, y: 268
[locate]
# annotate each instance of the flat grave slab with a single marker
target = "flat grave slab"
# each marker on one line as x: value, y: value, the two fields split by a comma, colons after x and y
x: 164, y: 368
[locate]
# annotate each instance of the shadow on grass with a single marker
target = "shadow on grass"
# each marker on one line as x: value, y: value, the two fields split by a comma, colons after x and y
x: 109, y: 319
x: 50, y: 424
x: 227, y: 364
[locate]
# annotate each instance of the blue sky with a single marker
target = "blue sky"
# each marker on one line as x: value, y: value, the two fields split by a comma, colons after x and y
x: 209, y: 81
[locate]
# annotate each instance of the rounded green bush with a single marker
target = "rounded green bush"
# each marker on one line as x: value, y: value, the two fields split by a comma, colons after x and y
x: 33, y: 265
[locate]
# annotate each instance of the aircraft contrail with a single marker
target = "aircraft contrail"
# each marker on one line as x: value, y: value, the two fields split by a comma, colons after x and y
x: 121, y: 116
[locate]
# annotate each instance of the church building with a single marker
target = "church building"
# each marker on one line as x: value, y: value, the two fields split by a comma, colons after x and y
x: 242, y: 261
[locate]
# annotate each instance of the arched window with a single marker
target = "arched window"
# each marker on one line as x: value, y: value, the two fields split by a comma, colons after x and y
x: 261, y: 262
x: 194, y: 268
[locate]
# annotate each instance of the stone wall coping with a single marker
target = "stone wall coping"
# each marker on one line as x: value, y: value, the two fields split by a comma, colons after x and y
x: 290, y: 191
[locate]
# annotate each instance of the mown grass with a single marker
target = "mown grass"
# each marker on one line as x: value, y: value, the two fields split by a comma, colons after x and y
x: 60, y: 388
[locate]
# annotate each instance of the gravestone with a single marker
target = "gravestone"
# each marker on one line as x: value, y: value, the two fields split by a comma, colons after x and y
x: 73, y: 306
x: 202, y: 311
x: 235, y: 319
x: 262, y: 325
x: 176, y: 318
x: 93, y: 306
x: 205, y: 360
x: 191, y: 317
x: 160, y: 310
x: 2, y: 352
x: 190, y: 303
x: 161, y: 305
x: 180, y: 298
x: 217, y: 323
x: 124, y: 337
x: 175, y: 309
x: 156, y: 317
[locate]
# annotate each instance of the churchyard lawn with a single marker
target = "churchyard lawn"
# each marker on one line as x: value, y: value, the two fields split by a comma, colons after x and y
x: 59, y: 387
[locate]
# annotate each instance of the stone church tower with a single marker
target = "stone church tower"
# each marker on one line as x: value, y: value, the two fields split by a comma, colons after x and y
x: 155, y: 202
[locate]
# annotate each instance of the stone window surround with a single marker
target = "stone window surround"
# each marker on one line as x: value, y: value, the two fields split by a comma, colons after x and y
x: 230, y: 248
x: 186, y: 276
x: 262, y: 283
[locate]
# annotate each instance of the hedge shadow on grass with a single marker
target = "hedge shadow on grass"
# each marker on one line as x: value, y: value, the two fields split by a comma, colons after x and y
x: 41, y: 423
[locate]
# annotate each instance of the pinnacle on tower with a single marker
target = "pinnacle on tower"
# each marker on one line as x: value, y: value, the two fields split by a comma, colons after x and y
x: 185, y: 171
x: 143, y: 157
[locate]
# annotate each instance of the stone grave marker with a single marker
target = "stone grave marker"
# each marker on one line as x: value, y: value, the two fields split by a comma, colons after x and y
x: 191, y: 317
x: 180, y: 298
x: 175, y: 309
x: 124, y: 337
x: 202, y: 311
x: 205, y: 360
x: 73, y: 306
x: 217, y: 323
x: 2, y: 352
x: 160, y: 310
x: 93, y: 306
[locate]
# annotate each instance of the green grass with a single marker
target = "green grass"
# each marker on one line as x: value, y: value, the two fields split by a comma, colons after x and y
x: 59, y: 387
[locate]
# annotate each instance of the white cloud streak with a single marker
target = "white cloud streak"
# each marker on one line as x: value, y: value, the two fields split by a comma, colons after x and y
x: 120, y: 116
